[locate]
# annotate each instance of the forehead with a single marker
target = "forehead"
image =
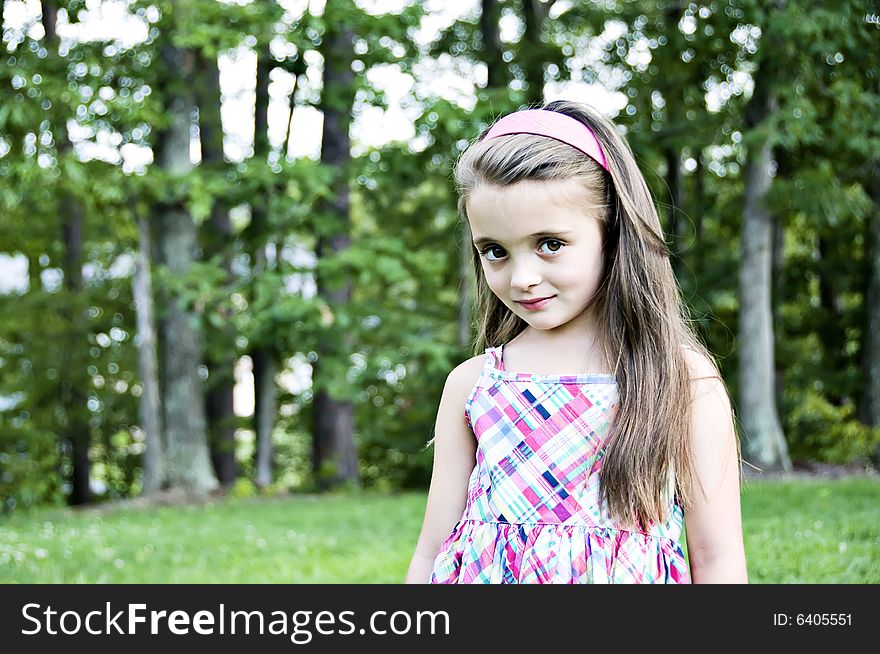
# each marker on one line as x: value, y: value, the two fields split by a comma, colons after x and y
x: 513, y: 212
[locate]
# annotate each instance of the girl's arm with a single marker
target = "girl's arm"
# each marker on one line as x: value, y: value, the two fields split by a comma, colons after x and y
x: 454, y: 460
x: 713, y: 523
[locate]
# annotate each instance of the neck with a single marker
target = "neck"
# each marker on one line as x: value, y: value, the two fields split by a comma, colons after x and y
x: 574, y: 341
x: 576, y: 333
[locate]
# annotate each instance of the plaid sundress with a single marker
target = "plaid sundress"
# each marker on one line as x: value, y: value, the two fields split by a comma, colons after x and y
x: 532, y: 514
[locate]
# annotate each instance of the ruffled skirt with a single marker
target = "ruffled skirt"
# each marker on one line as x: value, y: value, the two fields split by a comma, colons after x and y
x: 478, y: 552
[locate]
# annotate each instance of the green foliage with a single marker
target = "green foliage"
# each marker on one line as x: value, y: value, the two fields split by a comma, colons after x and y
x: 828, y: 432
x: 241, y: 489
x: 28, y: 460
x: 394, y: 341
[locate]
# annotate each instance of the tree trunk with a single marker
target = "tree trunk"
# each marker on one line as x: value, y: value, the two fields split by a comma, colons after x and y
x: 869, y: 405
x: 261, y: 114
x: 188, y: 463
x: 334, y: 452
x: 221, y: 424
x: 217, y: 241
x: 533, y: 53
x: 263, y: 355
x: 670, y: 144
x: 150, y: 408
x: 161, y: 300
x: 74, y: 380
x: 676, y: 200
x: 776, y: 266
x: 698, y: 208
x: 832, y: 338
x: 265, y: 363
x: 764, y: 440
x: 492, y: 49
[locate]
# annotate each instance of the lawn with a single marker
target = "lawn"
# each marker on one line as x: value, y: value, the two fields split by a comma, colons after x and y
x: 806, y: 531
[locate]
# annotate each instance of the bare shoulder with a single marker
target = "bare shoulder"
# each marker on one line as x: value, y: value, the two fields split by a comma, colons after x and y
x: 701, y: 368
x: 463, y: 377
x: 711, y: 410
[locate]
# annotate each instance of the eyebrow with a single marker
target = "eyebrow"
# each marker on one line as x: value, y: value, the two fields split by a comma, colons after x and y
x: 485, y: 239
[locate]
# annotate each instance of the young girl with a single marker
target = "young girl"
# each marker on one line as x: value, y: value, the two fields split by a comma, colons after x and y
x: 594, y: 421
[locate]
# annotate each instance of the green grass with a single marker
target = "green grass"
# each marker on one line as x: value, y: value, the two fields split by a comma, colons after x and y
x: 795, y: 531
x: 813, y: 531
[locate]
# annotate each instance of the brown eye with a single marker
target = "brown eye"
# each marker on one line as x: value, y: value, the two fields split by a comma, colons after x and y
x: 559, y: 246
x: 486, y: 251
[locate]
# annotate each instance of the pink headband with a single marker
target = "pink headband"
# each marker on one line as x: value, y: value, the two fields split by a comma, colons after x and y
x: 554, y: 125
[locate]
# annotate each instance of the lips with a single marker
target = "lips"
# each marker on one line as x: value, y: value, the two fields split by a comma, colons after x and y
x: 537, y: 303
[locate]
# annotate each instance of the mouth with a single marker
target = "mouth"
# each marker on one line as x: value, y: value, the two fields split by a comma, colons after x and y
x: 535, y: 304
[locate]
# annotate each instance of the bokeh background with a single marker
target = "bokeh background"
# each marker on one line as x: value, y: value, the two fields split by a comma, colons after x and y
x: 233, y: 280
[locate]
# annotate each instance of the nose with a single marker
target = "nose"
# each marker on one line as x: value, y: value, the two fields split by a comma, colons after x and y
x: 525, y: 274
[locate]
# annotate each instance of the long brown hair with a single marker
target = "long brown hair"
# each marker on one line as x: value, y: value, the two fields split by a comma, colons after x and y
x: 644, y: 325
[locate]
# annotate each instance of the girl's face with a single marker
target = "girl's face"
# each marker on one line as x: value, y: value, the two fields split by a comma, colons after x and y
x: 539, y: 239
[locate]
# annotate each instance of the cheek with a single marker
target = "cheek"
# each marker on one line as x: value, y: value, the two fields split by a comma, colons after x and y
x: 495, y: 281
x: 581, y: 276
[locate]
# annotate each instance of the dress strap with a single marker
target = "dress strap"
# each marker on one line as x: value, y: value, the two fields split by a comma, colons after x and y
x: 488, y: 364
x: 493, y: 359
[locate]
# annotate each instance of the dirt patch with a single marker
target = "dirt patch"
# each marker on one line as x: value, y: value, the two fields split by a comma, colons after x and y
x: 178, y: 498
x: 814, y: 470
x: 174, y: 497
